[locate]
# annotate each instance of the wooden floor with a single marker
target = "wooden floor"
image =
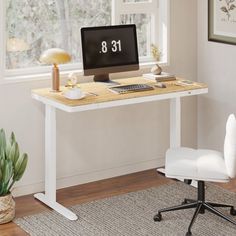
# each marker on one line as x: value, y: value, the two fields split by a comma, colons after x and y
x: 27, y: 205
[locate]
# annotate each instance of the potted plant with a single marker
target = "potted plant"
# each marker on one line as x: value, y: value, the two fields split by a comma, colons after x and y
x: 156, y: 54
x: 12, y: 168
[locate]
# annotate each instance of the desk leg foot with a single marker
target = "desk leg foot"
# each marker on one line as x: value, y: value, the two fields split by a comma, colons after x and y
x: 162, y: 171
x: 56, y: 206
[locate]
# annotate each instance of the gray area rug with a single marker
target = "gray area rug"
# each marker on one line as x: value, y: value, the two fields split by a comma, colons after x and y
x: 132, y: 215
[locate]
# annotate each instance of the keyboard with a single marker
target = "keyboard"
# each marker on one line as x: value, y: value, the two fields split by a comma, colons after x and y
x: 131, y: 88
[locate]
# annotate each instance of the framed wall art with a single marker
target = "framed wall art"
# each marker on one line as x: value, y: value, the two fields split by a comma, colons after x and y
x: 222, y: 21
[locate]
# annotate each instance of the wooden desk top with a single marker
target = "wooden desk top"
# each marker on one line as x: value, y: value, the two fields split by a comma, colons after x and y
x: 105, y: 95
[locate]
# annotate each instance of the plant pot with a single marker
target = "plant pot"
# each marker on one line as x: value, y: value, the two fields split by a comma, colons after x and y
x: 7, y: 209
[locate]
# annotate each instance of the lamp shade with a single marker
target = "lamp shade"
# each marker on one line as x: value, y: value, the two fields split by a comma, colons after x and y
x: 55, y: 56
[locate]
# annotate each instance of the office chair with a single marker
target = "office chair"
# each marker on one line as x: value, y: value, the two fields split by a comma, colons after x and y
x: 203, y: 165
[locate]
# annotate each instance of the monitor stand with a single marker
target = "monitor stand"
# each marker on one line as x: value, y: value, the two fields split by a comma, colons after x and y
x: 104, y: 79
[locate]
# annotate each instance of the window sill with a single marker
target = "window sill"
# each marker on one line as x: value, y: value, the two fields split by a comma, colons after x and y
x: 64, y: 74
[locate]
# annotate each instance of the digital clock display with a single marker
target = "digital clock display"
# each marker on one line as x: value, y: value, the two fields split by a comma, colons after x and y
x: 114, y: 46
x: 109, y: 46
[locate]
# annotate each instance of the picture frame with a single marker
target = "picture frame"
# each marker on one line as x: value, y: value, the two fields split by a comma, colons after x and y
x: 222, y: 21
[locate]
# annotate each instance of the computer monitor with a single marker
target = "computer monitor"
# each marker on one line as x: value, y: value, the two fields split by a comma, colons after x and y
x: 109, y: 49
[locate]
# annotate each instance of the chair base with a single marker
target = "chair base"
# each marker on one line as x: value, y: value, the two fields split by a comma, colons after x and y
x: 201, y: 205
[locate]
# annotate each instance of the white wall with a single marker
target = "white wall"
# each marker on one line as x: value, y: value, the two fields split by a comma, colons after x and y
x: 217, y: 68
x: 100, y: 144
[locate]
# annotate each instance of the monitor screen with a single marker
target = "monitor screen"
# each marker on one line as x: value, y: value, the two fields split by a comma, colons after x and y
x: 109, y: 49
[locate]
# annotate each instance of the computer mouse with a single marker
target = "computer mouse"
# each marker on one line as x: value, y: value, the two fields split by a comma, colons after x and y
x: 160, y: 85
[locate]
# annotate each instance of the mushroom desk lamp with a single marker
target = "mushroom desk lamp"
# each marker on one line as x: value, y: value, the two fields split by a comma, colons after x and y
x: 55, y: 56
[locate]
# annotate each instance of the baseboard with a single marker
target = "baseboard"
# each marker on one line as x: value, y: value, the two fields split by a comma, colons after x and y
x: 95, y: 175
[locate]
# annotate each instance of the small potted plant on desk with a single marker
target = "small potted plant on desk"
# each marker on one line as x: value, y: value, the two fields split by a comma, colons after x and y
x: 156, y: 54
x: 12, y: 168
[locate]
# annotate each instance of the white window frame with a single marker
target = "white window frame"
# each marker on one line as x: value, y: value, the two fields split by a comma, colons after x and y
x: 2, y: 39
x: 160, y: 20
x: 159, y: 12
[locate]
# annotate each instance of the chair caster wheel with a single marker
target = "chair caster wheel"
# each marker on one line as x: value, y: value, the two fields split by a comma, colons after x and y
x: 188, y: 181
x: 184, y: 202
x: 232, y: 212
x: 188, y: 234
x: 157, y: 217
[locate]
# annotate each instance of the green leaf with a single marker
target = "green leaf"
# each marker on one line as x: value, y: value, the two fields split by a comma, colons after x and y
x: 2, y: 161
x: 2, y: 154
x: 2, y: 165
x: 22, y: 167
x: 18, y: 164
x: 17, y: 153
x: 8, y: 149
x: 7, y: 172
x: 2, y: 142
x: 7, y: 175
x: 12, y: 138
x: 14, y: 153
x: 1, y: 188
x: 11, y: 155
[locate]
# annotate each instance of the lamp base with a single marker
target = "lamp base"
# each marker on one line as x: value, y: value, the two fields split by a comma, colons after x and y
x: 55, y: 79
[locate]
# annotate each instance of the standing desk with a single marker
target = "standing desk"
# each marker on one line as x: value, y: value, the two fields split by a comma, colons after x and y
x: 100, y: 97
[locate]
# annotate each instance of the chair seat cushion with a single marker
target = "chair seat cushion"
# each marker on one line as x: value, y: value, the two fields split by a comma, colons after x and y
x: 200, y: 164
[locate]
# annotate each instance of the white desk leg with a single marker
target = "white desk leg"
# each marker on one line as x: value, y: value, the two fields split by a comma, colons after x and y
x: 175, y: 125
x: 175, y: 122
x: 49, y: 198
x: 175, y: 130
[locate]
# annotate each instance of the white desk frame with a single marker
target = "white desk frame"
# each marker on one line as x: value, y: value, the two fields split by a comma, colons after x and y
x: 49, y: 198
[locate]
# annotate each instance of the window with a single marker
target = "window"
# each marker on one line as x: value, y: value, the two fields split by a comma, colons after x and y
x: 150, y: 17
x: 31, y: 26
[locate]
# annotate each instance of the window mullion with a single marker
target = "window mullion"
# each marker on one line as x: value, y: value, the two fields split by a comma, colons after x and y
x: 164, y: 27
x: 151, y: 9
x: 119, y: 7
x: 116, y: 9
